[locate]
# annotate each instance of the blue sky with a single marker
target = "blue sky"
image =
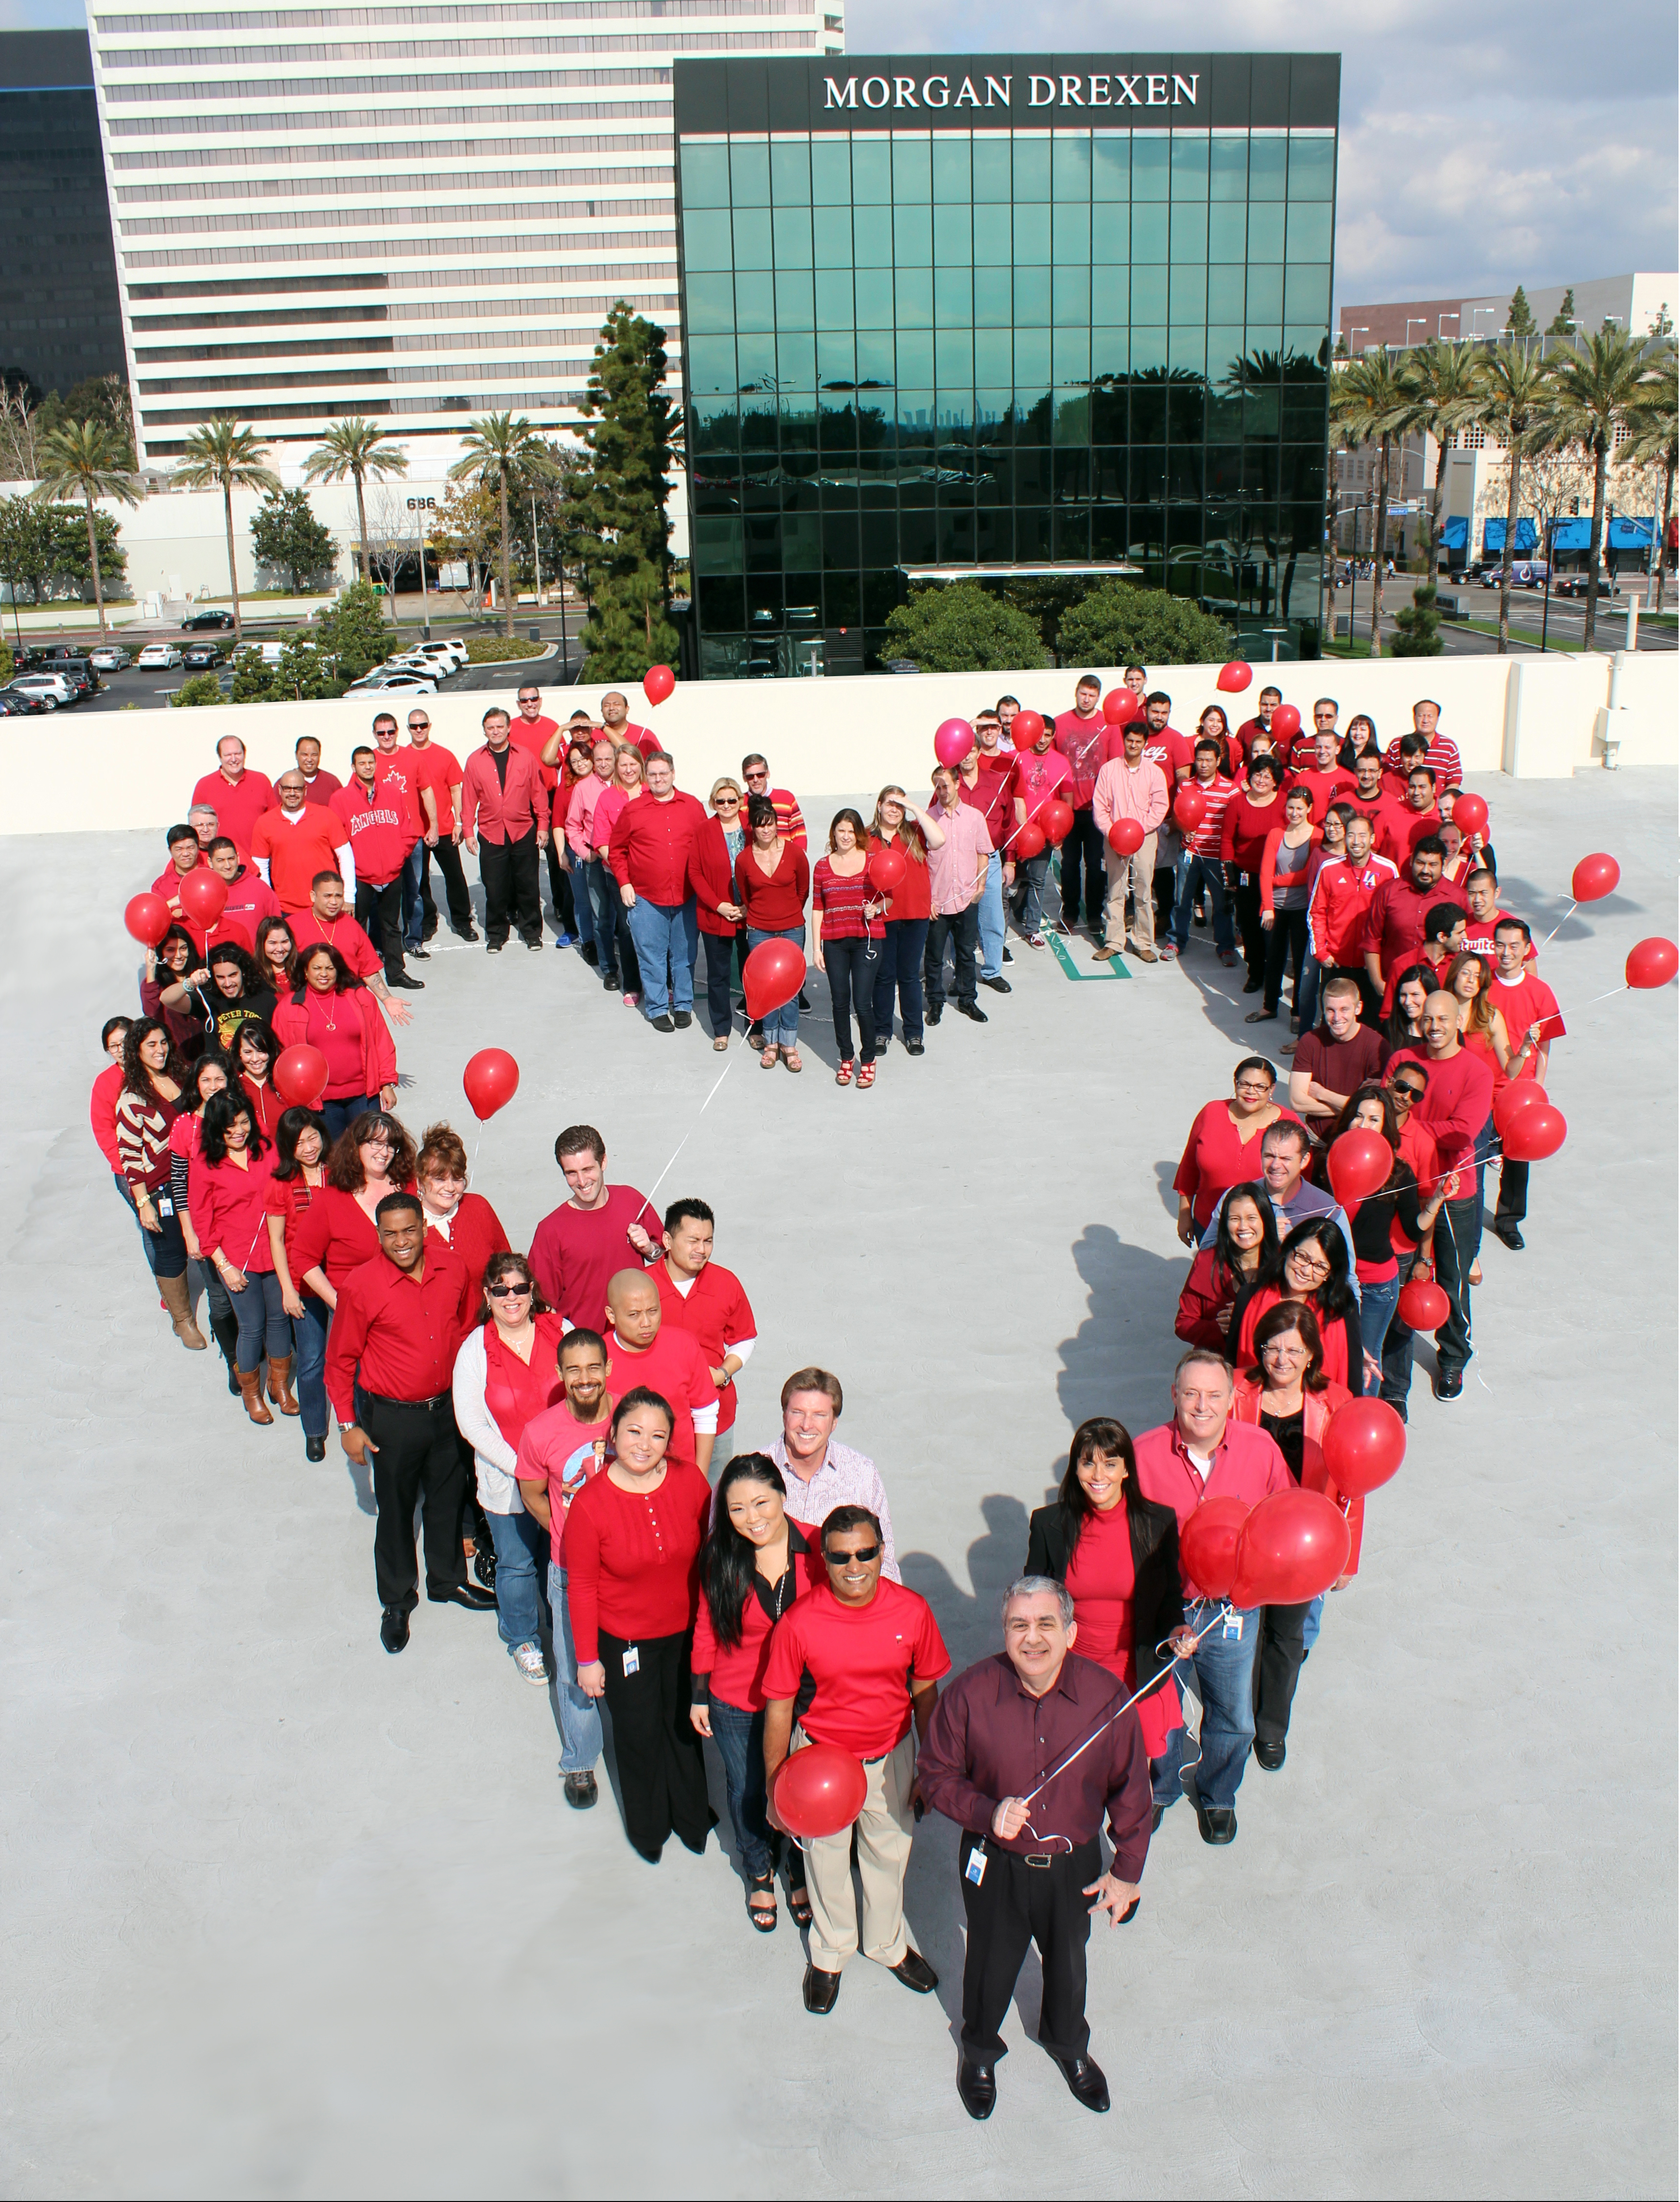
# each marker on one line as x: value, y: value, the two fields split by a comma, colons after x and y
x: 1483, y: 145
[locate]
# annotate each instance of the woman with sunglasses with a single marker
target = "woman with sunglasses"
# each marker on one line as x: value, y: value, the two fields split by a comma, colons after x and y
x: 229, y: 1207
x: 897, y: 824
x: 711, y: 881
x: 504, y: 1374
x: 1310, y: 1267
x: 331, y: 1012
x: 296, y: 1179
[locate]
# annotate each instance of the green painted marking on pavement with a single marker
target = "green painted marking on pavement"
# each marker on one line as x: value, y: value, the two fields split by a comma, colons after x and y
x: 1063, y: 954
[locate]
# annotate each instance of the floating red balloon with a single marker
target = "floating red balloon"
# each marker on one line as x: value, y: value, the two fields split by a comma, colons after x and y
x: 1422, y: 1305
x: 1028, y: 730
x: 953, y: 741
x: 886, y: 868
x: 300, y: 1077
x: 1286, y: 722
x: 490, y: 1081
x: 1595, y: 877
x: 1652, y: 963
x: 821, y: 1789
x: 1208, y: 1544
x: 147, y: 918
x: 1189, y: 807
x: 1522, y: 1094
x: 1364, y: 1440
x: 1536, y: 1133
x: 1121, y: 706
x: 772, y: 974
x: 1056, y: 818
x: 1234, y: 677
x: 1027, y: 843
x: 1358, y: 1165
x: 1470, y: 815
x: 1291, y: 1547
x: 1125, y: 837
x: 657, y: 683
x: 203, y: 896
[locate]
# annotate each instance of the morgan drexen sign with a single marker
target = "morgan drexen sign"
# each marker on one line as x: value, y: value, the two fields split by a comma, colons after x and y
x: 1016, y: 92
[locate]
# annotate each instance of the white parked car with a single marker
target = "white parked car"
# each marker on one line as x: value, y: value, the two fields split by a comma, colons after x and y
x: 52, y: 687
x: 109, y: 657
x: 452, y: 647
x: 158, y: 657
x: 393, y: 684
x: 436, y: 657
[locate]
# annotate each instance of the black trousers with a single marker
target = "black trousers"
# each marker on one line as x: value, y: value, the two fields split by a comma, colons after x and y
x: 851, y: 971
x: 418, y: 1460
x: 378, y: 912
x: 455, y: 886
x: 962, y: 932
x: 1250, y: 930
x: 1083, y: 849
x: 509, y: 872
x: 661, y: 1775
x: 1513, y: 1191
x: 1277, y: 1669
x: 1017, y: 1904
x: 560, y: 882
x: 1285, y: 943
x: 722, y: 961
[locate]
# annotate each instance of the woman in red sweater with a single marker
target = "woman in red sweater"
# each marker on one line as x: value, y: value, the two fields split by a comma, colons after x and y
x: 772, y: 886
x: 633, y: 1538
x: 755, y: 1563
x: 337, y: 1234
x: 1247, y: 1236
x: 230, y: 1218
x: 1250, y: 815
x: 298, y: 1178
x: 332, y: 1011
x: 899, y: 824
x: 466, y: 1220
x: 1224, y: 1148
x: 711, y: 881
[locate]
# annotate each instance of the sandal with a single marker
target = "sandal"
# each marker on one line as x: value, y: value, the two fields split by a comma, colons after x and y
x: 843, y: 1075
x: 799, y: 1905
x: 866, y: 1077
x: 790, y: 1059
x: 761, y: 1884
x: 766, y: 1060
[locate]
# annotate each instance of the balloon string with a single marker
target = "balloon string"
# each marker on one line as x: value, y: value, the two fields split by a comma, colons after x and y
x: 1559, y: 926
x: 1622, y: 989
x: 698, y: 1113
x: 1102, y: 1728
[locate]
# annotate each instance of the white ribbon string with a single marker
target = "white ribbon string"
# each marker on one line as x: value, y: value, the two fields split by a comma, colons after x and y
x: 1102, y: 1729
x: 698, y: 1113
x: 1559, y: 926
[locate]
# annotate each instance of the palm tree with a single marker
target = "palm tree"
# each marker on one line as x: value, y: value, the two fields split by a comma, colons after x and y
x: 502, y: 449
x: 1654, y: 434
x: 358, y: 448
x: 1443, y: 382
x: 1369, y: 404
x: 83, y: 459
x: 1519, y: 396
x: 222, y: 455
x: 1601, y: 383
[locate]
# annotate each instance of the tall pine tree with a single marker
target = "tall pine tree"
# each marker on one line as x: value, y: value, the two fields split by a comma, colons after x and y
x: 630, y: 439
x: 1520, y: 321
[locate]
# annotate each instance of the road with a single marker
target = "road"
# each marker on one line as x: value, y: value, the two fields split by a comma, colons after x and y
x: 1564, y: 623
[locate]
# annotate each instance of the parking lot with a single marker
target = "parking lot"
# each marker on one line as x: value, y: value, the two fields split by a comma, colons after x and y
x: 1563, y: 622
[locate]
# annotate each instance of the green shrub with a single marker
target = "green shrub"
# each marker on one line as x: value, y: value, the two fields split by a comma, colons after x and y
x: 1119, y: 625
x: 1418, y: 627
x: 499, y: 649
x: 198, y: 690
x: 960, y: 627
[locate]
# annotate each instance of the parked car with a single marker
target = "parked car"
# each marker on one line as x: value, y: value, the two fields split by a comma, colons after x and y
x: 453, y: 653
x: 158, y: 657
x: 202, y: 656
x: 434, y: 668
x: 384, y: 683
x: 23, y: 703
x: 207, y: 619
x: 53, y: 688
x: 1575, y: 585
x: 109, y: 657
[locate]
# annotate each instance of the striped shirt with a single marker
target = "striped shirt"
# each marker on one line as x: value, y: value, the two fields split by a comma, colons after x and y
x: 840, y: 904
x: 1442, y: 757
x: 1217, y: 793
x: 142, y: 1138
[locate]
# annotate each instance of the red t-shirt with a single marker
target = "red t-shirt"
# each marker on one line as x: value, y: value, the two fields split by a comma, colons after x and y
x: 717, y: 1314
x: 673, y: 1366
x: 1169, y: 749
x: 296, y: 853
x: 1523, y: 1002
x: 1036, y: 780
x: 343, y: 934
x: 380, y: 823
x: 1403, y: 828
x: 531, y: 735
x: 913, y: 897
x: 577, y: 1252
x: 238, y: 804
x: 1083, y: 742
x: 861, y: 1659
x: 440, y: 769
x: 1323, y: 787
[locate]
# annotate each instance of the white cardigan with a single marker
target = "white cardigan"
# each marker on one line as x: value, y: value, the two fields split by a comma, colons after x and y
x: 494, y: 1458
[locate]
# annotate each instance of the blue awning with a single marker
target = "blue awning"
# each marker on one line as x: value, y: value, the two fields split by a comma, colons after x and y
x: 1455, y: 534
x: 1573, y: 534
x: 1492, y: 537
x: 1631, y: 534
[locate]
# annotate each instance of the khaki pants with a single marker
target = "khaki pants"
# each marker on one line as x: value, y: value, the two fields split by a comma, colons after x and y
x: 1138, y: 871
x: 884, y: 1829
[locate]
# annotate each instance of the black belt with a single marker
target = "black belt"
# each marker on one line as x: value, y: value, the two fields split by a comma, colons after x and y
x: 423, y: 1406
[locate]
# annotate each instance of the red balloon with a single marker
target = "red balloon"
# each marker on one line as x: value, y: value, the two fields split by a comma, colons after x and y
x: 772, y: 974
x: 1189, y: 807
x: 1595, y: 877
x: 1125, y: 836
x: 1359, y: 1165
x: 1234, y: 677
x: 203, y: 896
x: 657, y: 683
x: 1652, y: 963
x: 1286, y: 722
x: 1522, y: 1094
x: 886, y: 868
x: 953, y: 741
x: 1470, y: 815
x: 1364, y: 1440
x: 148, y: 918
x: 821, y: 1789
x: 1207, y: 1544
x: 1536, y: 1133
x: 1056, y: 818
x: 1028, y: 730
x: 1027, y: 843
x: 490, y: 1081
x: 300, y: 1077
x: 1121, y: 706
x: 1291, y: 1547
x: 1422, y: 1306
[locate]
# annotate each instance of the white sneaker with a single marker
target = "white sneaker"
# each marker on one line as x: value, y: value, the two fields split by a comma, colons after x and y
x: 529, y: 1660
x: 1035, y: 940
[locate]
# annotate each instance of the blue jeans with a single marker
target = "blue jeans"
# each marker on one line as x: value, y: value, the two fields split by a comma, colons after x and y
x: 781, y: 1027
x: 579, y: 1717
x: 1030, y: 877
x: 413, y: 909
x: 900, y: 970
x: 341, y: 1115
x: 1377, y: 1311
x: 265, y: 1328
x: 1306, y: 993
x: 992, y: 919
x: 595, y: 881
x: 1204, y: 874
x: 309, y: 1337
x: 739, y: 1737
x: 665, y: 934
x: 1315, y: 1614
x: 583, y: 903
x: 1224, y: 1669
x: 521, y: 1550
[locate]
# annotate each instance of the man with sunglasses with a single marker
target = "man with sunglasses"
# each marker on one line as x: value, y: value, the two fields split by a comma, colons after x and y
x: 1408, y: 1081
x: 870, y: 1655
x: 436, y: 775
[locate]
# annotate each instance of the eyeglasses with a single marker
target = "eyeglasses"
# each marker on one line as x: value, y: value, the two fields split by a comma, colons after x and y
x: 1409, y: 1092
x: 530, y: 699
x: 727, y: 802
x: 419, y: 726
x: 844, y: 1559
x: 1310, y: 1265
x: 509, y: 1291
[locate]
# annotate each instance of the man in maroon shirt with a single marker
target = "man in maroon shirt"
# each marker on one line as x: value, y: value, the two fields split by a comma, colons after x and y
x: 652, y: 840
x: 318, y: 785
x: 502, y: 805
x: 579, y: 1248
x: 377, y: 817
x: 1394, y: 921
x: 1265, y: 705
x: 1333, y: 1060
x: 390, y: 1360
x: 1080, y: 736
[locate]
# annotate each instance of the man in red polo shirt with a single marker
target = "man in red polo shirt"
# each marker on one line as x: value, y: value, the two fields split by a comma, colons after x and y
x: 297, y: 841
x: 376, y: 812
x: 702, y: 1298
x: 652, y: 839
x: 250, y: 899
x: 668, y: 1361
x: 616, y: 726
x: 984, y: 778
x: 1203, y: 1453
x: 325, y: 919
x: 581, y: 1246
x: 1394, y: 921
x: 531, y: 730
x: 1533, y: 1020
x: 238, y: 797
x: 436, y: 778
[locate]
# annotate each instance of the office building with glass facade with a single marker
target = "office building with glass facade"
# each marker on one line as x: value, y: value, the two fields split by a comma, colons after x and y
x: 1053, y: 313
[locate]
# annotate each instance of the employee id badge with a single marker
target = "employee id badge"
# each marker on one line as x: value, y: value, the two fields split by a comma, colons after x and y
x: 975, y: 1870
x: 632, y: 1659
x: 165, y: 1205
x: 1232, y: 1626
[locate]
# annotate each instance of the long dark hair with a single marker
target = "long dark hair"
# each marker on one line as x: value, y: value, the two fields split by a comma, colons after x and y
x: 1334, y: 1299
x: 344, y: 978
x: 343, y: 1164
x: 1395, y: 1029
x: 136, y: 1078
x: 292, y: 1127
x: 229, y: 951
x: 261, y: 1034
x: 220, y: 1111
x: 728, y: 1561
x: 1224, y: 1254
x: 1099, y: 1434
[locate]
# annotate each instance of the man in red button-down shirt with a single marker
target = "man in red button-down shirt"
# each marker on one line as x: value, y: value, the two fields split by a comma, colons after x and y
x: 1394, y: 921
x: 238, y: 797
x: 1202, y: 1453
x: 390, y: 1360
x: 652, y: 840
x: 503, y: 805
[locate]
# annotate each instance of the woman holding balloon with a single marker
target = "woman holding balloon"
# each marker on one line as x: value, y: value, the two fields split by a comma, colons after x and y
x: 331, y: 1012
x: 1040, y: 776
x: 901, y: 836
x: 1393, y: 1224
x: 849, y: 928
x: 772, y: 884
x: 297, y: 1180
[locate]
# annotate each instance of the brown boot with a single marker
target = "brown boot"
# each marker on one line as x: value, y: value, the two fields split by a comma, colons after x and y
x: 250, y: 1390
x: 173, y: 1290
x: 280, y: 1383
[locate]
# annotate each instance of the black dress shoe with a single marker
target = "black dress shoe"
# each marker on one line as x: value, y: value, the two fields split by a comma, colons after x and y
x: 401, y: 979
x: 1253, y: 986
x: 662, y: 1024
x: 1269, y: 1755
x: 914, y: 1047
x: 914, y: 1970
x: 1217, y: 1822
x: 465, y: 932
x: 466, y: 1595
x: 933, y: 1016
x: 1155, y: 1818
x: 1009, y: 958
x: 1449, y: 1384
x: 610, y: 981
x: 1509, y: 1236
x: 805, y: 999
x: 683, y: 1019
x: 1086, y: 2082
x: 393, y: 1629
x: 651, y: 1855
x: 424, y: 954
x: 592, y: 954
x: 314, y: 1448
x: 974, y: 1012
x: 822, y: 1990
x: 998, y: 985
x: 580, y: 1790
x: 494, y: 947
x: 977, y: 2085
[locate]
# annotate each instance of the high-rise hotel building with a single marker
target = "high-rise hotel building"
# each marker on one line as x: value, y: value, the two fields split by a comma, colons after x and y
x: 416, y: 213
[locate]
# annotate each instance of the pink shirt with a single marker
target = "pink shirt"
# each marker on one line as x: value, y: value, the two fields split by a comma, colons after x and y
x: 954, y: 869
x: 1124, y: 790
x: 581, y: 816
x: 1245, y: 1464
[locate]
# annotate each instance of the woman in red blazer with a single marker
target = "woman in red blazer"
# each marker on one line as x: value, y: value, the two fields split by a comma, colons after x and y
x: 711, y: 881
x: 332, y: 1011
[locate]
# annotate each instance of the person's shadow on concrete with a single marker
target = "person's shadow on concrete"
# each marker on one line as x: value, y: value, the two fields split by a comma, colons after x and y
x: 1119, y: 1361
